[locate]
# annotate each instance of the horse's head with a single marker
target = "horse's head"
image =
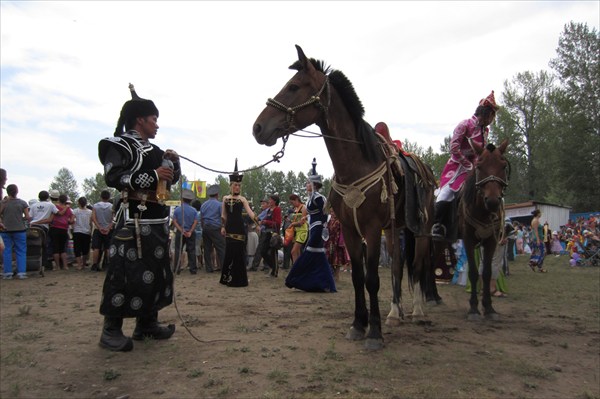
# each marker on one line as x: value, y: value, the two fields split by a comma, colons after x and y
x: 491, y: 174
x: 299, y: 104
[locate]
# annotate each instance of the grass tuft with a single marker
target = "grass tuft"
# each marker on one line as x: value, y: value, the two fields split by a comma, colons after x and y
x: 111, y: 374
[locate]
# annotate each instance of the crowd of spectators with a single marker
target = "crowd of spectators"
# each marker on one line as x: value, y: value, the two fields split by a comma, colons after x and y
x: 580, y: 237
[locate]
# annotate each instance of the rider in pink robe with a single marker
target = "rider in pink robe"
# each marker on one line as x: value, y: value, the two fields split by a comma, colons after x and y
x: 462, y: 155
x: 461, y: 162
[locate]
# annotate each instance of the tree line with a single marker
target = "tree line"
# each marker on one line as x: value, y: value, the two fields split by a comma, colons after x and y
x: 551, y: 119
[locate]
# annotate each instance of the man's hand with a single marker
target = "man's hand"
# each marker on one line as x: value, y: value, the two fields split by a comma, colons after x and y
x: 165, y: 173
x: 171, y: 155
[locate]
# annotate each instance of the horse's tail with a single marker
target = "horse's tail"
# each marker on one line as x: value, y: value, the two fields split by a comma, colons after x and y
x: 409, y: 256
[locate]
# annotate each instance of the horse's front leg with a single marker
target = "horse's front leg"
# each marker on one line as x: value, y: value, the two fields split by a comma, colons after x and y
x: 473, y: 314
x: 374, y: 336
x: 396, y: 313
x: 488, y: 251
x: 358, y: 329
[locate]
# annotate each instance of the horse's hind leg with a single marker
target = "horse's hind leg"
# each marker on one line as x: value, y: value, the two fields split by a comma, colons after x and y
x: 396, y: 313
x: 419, y: 276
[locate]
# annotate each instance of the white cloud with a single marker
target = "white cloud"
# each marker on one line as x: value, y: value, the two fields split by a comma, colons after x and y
x: 210, y: 66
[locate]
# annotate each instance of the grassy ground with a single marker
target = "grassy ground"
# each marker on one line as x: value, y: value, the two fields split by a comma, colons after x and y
x: 266, y: 341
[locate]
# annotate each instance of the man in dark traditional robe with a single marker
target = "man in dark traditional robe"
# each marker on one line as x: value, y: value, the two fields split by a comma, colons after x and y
x: 139, y: 280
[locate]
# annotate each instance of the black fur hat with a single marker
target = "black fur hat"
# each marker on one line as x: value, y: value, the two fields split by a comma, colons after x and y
x: 132, y: 109
x: 235, y: 177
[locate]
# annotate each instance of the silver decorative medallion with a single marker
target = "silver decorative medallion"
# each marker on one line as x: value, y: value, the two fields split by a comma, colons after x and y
x: 112, y: 250
x: 145, y: 230
x: 122, y: 250
x: 132, y: 254
x: 125, y: 179
x: 148, y: 277
x: 107, y: 167
x: 117, y: 300
x: 159, y: 252
x: 136, y: 303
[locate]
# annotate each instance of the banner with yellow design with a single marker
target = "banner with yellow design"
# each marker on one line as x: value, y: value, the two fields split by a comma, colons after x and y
x: 197, y: 186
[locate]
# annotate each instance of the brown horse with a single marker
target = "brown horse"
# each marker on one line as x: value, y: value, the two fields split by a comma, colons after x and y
x: 481, y: 219
x: 365, y: 196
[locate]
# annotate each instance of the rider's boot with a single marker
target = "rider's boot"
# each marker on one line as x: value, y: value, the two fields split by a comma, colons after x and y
x: 439, y: 229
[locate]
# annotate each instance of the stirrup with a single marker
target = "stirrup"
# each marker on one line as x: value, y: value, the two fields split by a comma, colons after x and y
x: 438, y: 232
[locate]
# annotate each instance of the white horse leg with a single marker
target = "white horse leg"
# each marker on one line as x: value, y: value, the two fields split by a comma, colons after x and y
x: 396, y: 314
x: 417, y: 312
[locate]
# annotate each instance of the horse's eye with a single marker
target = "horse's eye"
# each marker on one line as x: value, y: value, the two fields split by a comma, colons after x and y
x: 293, y: 87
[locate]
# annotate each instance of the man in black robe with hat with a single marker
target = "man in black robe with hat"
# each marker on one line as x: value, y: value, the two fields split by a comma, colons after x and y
x: 139, y: 280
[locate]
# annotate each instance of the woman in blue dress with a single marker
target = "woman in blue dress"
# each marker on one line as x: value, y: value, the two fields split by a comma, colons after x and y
x: 311, y: 271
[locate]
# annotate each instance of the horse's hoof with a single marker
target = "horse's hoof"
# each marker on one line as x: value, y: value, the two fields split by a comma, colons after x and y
x: 355, y: 334
x: 492, y: 316
x: 434, y: 301
x: 392, y: 321
x: 416, y: 317
x: 374, y: 344
x: 473, y: 317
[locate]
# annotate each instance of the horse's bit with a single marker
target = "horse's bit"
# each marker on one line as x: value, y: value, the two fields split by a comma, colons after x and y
x: 291, y: 111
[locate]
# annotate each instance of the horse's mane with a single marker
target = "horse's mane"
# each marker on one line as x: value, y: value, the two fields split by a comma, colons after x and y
x: 469, y: 191
x: 364, y: 132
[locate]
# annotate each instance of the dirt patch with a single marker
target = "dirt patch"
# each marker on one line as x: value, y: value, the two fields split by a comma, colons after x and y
x: 267, y: 341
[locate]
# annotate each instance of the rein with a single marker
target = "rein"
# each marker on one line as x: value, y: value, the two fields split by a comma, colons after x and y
x: 276, y: 157
x: 176, y: 267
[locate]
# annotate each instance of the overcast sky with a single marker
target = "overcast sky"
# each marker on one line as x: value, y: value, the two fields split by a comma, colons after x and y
x: 210, y: 67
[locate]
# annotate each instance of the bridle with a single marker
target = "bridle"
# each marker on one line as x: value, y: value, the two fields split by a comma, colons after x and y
x: 291, y: 111
x: 479, y: 183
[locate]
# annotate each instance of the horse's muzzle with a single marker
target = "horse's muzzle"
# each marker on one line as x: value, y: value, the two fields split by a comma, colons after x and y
x: 492, y: 204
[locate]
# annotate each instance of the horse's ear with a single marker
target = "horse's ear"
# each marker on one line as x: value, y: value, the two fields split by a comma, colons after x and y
x: 503, y: 146
x: 307, y: 66
x: 301, y: 57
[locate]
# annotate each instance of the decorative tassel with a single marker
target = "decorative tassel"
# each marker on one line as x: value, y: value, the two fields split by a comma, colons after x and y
x: 384, y: 195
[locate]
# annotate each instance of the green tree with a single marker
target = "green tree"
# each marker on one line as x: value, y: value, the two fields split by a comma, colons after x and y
x: 524, y: 119
x: 175, y: 192
x: 578, y: 67
x: 65, y: 183
x: 93, y: 186
x: 577, y: 124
